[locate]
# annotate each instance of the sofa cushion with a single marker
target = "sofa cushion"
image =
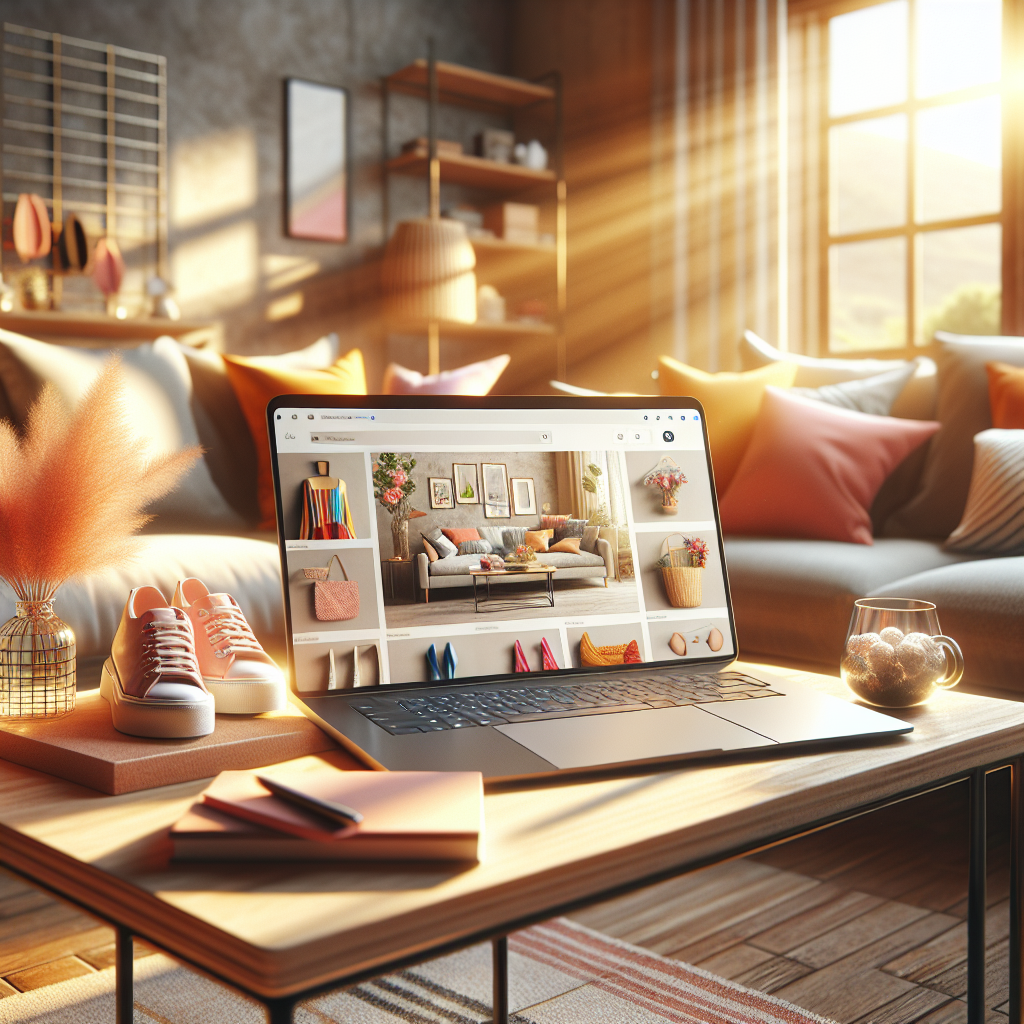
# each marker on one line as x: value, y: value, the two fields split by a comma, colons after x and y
x: 963, y: 410
x: 249, y: 569
x: 564, y: 560
x: 980, y: 604
x: 454, y: 565
x: 812, y: 470
x: 915, y: 402
x: 442, y: 545
x: 731, y: 402
x: 873, y: 395
x: 161, y: 401
x: 793, y: 598
x: 256, y: 385
x: 993, y: 521
x: 1006, y: 395
x: 473, y: 379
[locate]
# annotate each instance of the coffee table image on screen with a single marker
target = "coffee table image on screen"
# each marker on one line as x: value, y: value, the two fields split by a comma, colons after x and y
x: 568, y: 507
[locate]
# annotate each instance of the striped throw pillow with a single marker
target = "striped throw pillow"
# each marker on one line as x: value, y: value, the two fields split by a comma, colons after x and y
x: 993, y: 521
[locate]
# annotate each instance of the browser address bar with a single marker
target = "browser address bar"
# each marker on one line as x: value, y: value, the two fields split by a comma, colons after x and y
x: 418, y: 438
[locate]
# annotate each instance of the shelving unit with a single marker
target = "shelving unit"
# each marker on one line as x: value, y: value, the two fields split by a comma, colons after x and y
x: 518, y: 266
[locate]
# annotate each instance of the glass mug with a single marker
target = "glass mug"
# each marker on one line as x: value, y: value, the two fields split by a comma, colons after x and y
x: 896, y: 655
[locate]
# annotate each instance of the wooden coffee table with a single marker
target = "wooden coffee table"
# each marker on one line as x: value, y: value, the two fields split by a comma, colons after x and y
x: 281, y: 932
x: 534, y: 571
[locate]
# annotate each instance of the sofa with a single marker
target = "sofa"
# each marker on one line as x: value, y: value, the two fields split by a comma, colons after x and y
x: 793, y: 597
x: 453, y: 571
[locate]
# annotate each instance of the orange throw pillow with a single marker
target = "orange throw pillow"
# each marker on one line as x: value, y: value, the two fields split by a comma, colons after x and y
x: 731, y: 402
x: 1006, y: 395
x: 539, y: 539
x: 571, y: 545
x: 458, y: 537
x: 256, y: 385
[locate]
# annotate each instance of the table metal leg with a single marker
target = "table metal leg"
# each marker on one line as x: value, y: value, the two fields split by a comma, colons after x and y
x: 499, y: 951
x: 1016, y: 888
x: 124, y: 975
x: 279, y: 1011
x: 976, y: 902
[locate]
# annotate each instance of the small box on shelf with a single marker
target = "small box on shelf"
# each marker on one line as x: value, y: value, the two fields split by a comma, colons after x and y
x: 513, y: 222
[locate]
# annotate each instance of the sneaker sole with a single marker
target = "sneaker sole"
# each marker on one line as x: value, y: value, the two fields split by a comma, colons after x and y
x: 246, y: 696
x: 158, y: 719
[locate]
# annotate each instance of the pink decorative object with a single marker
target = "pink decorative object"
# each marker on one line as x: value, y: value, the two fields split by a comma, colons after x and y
x: 473, y: 379
x: 812, y: 470
x: 668, y: 477
x: 31, y: 228
x: 108, y: 267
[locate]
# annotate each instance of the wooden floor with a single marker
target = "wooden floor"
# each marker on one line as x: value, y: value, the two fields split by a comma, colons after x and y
x: 863, y: 922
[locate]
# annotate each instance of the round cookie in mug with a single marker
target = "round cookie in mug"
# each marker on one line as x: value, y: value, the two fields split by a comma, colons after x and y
x: 702, y: 638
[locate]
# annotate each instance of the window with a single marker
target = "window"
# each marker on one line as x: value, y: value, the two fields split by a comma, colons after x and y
x: 905, y: 99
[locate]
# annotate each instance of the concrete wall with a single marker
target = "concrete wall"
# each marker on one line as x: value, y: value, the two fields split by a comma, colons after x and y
x: 225, y: 64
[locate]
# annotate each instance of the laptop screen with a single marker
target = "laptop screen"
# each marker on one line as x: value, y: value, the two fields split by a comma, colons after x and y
x: 426, y: 540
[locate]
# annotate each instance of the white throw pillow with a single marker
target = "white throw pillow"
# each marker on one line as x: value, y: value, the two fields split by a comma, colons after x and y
x: 993, y: 520
x: 873, y: 395
x: 916, y: 401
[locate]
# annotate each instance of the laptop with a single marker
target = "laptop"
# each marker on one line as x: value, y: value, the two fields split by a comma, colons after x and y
x: 563, y: 606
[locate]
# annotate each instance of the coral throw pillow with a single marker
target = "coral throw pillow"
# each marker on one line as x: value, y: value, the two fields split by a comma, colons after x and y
x: 731, y: 402
x: 458, y: 537
x: 813, y: 470
x: 256, y: 385
x: 474, y: 379
x: 1006, y: 395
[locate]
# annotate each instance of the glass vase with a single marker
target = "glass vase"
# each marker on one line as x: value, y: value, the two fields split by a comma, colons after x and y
x: 37, y: 663
x: 400, y: 538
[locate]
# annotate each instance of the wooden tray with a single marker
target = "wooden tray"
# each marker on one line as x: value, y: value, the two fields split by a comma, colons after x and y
x: 84, y: 747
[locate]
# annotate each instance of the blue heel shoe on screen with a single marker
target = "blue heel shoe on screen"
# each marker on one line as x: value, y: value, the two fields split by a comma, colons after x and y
x: 435, y: 672
x: 451, y: 661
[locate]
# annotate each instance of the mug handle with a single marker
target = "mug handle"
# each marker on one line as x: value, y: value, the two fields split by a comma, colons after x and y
x: 952, y: 649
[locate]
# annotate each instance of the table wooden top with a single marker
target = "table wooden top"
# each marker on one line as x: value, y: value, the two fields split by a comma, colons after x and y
x: 514, y: 572
x: 280, y: 928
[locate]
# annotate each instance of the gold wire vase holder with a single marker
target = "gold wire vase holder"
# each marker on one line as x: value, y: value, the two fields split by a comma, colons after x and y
x: 37, y: 663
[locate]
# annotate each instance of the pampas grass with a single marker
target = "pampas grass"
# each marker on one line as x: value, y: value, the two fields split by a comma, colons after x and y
x: 74, y: 489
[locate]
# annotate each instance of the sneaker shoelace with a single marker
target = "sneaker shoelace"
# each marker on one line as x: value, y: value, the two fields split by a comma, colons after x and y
x: 169, y: 649
x: 228, y: 632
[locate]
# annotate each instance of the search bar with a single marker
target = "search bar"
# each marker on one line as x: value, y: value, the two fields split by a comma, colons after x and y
x: 414, y: 439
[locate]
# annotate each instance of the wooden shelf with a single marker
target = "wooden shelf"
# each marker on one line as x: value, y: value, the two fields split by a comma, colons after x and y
x: 480, y: 329
x: 470, y: 87
x: 474, y: 171
x: 497, y: 246
x: 53, y: 325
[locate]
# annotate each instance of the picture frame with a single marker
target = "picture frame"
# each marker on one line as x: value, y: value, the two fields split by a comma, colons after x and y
x: 524, y: 496
x: 494, y: 488
x: 316, y: 161
x: 467, y: 483
x: 441, y: 493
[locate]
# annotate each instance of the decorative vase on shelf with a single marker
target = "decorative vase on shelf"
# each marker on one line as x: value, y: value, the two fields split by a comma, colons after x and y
x: 37, y: 663
x: 400, y: 538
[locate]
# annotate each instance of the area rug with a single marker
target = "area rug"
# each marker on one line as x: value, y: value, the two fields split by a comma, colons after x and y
x: 559, y: 973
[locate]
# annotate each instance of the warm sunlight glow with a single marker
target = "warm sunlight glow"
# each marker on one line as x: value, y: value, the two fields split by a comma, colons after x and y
x: 217, y: 270
x: 212, y: 177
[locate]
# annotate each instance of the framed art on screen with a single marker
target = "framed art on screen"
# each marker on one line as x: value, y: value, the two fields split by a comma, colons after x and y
x: 440, y: 492
x: 467, y: 489
x: 495, y: 490
x: 524, y: 497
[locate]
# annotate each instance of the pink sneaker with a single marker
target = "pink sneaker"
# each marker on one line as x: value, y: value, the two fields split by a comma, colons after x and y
x: 152, y: 680
x: 241, y: 676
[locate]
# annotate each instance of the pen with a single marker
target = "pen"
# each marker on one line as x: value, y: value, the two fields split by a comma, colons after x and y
x: 336, y: 812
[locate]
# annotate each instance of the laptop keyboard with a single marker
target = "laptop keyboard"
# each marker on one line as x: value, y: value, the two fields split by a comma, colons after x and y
x: 437, y: 711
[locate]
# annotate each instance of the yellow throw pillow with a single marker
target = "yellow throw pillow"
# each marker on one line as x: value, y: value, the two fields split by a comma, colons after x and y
x: 539, y: 539
x: 731, y: 403
x: 256, y: 385
x: 571, y: 545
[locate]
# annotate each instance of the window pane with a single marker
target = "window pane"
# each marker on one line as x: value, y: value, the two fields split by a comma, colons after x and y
x: 868, y: 58
x: 868, y: 174
x: 868, y: 295
x: 959, y: 160
x: 959, y: 273
x: 958, y: 44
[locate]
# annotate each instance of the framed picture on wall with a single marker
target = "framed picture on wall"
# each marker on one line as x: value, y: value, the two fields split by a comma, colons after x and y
x: 524, y: 497
x: 495, y: 490
x: 316, y: 161
x: 440, y: 492
x: 467, y: 487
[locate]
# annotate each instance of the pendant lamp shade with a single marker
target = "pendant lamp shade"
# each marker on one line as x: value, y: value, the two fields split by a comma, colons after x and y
x: 427, y: 272
x: 31, y: 228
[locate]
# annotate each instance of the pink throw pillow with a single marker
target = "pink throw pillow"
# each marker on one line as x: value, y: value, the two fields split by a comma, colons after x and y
x: 474, y: 379
x: 812, y: 470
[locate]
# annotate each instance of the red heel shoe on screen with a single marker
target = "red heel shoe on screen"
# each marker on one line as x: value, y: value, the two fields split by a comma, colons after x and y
x: 521, y: 664
x: 550, y: 665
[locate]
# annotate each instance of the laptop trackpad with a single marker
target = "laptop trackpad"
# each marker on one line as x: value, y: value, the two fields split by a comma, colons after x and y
x: 630, y: 736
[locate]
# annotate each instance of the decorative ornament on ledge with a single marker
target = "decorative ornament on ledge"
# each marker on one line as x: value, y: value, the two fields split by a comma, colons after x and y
x: 668, y: 478
x: 72, y: 493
